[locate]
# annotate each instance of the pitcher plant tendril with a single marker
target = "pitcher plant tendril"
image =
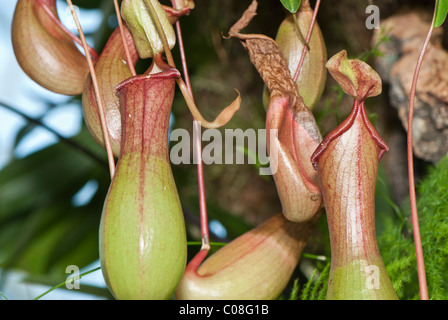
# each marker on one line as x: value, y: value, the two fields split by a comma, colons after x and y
x: 412, y: 196
x: 200, y: 171
x: 302, y: 44
x: 125, y: 45
x: 306, y: 47
x: 225, y: 115
x: 51, y: 14
x: 111, y: 68
x: 110, y: 154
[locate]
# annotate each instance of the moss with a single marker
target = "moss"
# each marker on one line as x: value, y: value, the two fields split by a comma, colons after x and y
x: 398, y: 248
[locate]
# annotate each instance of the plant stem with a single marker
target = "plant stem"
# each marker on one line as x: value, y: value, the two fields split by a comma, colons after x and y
x: 307, y: 40
x: 123, y: 39
x: 63, y: 139
x: 109, y: 151
x: 199, y: 243
x: 412, y: 197
x: 202, y: 198
x: 299, y: 34
x: 63, y: 283
x: 55, y: 19
x: 2, y: 295
x: 161, y: 33
x: 182, y: 85
x: 314, y: 256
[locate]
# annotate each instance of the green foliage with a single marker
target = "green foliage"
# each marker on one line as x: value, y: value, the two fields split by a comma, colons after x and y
x: 60, y: 285
x: 374, y: 52
x: 291, y: 5
x: 42, y: 230
x: 397, y: 245
x: 399, y: 257
x: 433, y: 207
x: 36, y: 209
x: 295, y: 290
x: 316, y: 286
x: 316, y: 289
x: 441, y: 11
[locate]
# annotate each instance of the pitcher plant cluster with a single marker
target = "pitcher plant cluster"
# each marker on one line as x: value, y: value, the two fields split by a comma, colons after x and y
x: 143, y: 242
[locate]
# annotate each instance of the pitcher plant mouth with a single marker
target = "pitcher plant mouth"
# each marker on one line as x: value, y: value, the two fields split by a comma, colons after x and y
x: 161, y: 71
x: 357, y: 110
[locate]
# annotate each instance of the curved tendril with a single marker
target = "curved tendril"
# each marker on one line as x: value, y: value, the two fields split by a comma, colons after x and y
x: 412, y: 194
x: 307, y: 40
x: 200, y: 172
x: 225, y: 116
x: 222, y: 119
x: 107, y: 142
x: 123, y: 40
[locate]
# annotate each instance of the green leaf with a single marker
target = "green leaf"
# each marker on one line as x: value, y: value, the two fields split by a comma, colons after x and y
x: 93, y: 290
x: 295, y: 290
x: 23, y: 132
x: 441, y: 11
x: 291, y: 5
x: 41, y: 230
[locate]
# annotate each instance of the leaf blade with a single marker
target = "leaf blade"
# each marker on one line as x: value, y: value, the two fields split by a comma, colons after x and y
x: 291, y: 5
x: 441, y: 11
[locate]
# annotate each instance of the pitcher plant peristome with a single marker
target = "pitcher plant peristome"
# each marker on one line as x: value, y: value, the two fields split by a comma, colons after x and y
x: 347, y: 164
